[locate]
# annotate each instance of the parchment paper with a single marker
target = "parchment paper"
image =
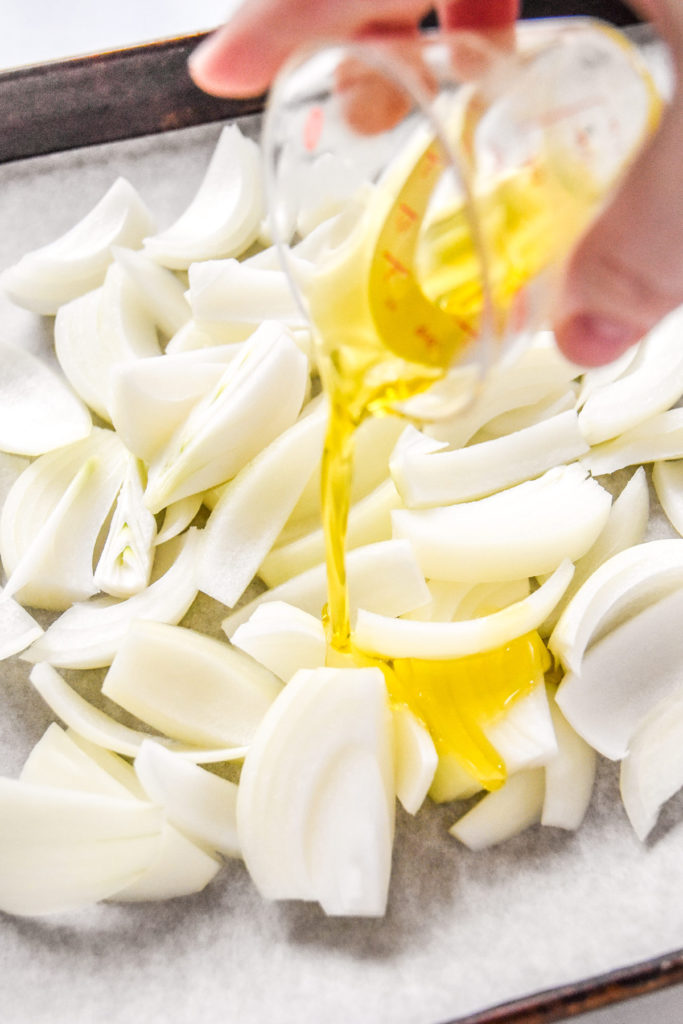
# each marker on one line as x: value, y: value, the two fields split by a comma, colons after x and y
x: 463, y: 931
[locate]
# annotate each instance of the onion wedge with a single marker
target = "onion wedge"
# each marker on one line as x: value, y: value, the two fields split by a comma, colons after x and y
x: 667, y: 478
x: 315, y: 806
x: 233, y: 292
x: 38, y: 411
x: 283, y: 638
x: 157, y: 289
x: 88, y: 634
x: 619, y: 588
x: 652, y: 771
x: 653, y: 440
x: 258, y: 396
x: 524, y: 531
x: 125, y: 564
x: 46, y: 278
x: 415, y: 759
x: 426, y: 476
x: 404, y: 638
x: 569, y: 776
x: 189, y: 686
x: 224, y: 217
x: 624, y: 676
x: 503, y: 813
x: 18, y: 629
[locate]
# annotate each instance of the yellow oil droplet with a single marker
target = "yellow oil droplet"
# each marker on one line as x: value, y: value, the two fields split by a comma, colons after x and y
x: 390, y: 320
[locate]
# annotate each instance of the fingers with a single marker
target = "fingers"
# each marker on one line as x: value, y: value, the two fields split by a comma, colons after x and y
x: 627, y: 273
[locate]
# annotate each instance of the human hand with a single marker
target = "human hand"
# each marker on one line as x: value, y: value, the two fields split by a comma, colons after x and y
x: 626, y: 273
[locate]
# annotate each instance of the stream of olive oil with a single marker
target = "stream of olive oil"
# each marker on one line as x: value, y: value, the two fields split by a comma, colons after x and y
x: 384, y: 336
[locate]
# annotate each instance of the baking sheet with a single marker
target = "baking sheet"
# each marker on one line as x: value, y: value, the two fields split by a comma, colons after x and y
x: 464, y: 931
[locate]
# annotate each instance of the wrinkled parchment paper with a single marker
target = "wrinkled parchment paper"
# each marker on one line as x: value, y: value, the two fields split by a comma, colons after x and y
x: 463, y: 931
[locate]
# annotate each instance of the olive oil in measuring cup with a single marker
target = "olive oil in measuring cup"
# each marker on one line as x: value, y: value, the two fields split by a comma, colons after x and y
x: 445, y: 248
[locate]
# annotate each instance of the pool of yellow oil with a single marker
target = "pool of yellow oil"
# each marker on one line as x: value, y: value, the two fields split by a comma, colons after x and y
x: 391, y: 315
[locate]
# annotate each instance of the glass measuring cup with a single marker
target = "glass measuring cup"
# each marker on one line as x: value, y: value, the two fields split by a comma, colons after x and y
x: 424, y: 194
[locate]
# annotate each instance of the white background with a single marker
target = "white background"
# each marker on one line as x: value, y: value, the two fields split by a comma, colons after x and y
x: 39, y: 30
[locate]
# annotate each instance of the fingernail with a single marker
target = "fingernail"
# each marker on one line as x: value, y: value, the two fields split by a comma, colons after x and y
x: 590, y: 340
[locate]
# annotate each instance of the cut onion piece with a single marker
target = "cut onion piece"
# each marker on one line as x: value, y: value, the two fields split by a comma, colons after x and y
x: 624, y: 676
x: 76, y: 263
x: 403, y: 638
x: 18, y: 629
x: 60, y: 849
x: 451, y: 781
x: 125, y: 565
x: 504, y: 813
x: 619, y: 588
x: 537, y: 373
x: 524, y: 735
x: 369, y: 522
x: 652, y: 384
x: 652, y: 771
x: 653, y: 440
x: 415, y: 759
x: 38, y: 491
x: 178, y: 516
x: 485, y: 598
x: 11, y: 468
x: 283, y: 638
x: 189, y: 686
x: 255, y: 505
x: 383, y: 577
x: 426, y: 477
x: 569, y: 777
x: 100, y: 729
x: 88, y: 634
x: 529, y: 415
x: 200, y: 804
x: 233, y: 292
x: 315, y: 805
x: 524, y: 531
x: 259, y: 395
x: 224, y: 217
x: 157, y: 289
x: 667, y: 478
x: 38, y: 411
x: 56, y: 569
x: 58, y: 760
x: 625, y: 527
x: 597, y: 377
x: 151, y: 398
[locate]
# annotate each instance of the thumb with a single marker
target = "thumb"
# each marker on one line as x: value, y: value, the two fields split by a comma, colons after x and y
x: 627, y: 272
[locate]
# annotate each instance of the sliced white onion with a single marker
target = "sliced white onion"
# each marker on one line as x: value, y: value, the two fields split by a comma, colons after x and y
x: 485, y: 598
x: 189, y: 686
x: 18, y: 629
x: 529, y: 415
x: 624, y: 676
x: 621, y: 586
x: 524, y: 735
x: 76, y: 262
x: 181, y: 868
x: 384, y: 577
x: 524, y: 531
x: 194, y: 337
x: 536, y: 374
x: 451, y: 781
x: 38, y: 411
x: 88, y: 634
x: 315, y: 806
x: 569, y: 777
x: 61, y: 850
x: 415, y: 759
x: 159, y: 290
x: 200, y: 804
x: 102, y: 731
x: 625, y: 527
x: 11, y: 468
x: 253, y: 508
x: 152, y: 397
x: 233, y: 292
x: 652, y: 383
x: 258, y: 396
x: 283, y: 638
x: 39, y: 489
x: 178, y: 516
x: 224, y: 217
x: 504, y: 813
x: 402, y: 638
x: 125, y: 564
x: 597, y: 377
x: 426, y: 477
x: 652, y: 771
x: 667, y: 478
x: 369, y: 521
x: 653, y: 440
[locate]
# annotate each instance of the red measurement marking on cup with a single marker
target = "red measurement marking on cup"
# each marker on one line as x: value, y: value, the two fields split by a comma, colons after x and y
x: 395, y: 266
x: 406, y: 217
x: 313, y: 127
